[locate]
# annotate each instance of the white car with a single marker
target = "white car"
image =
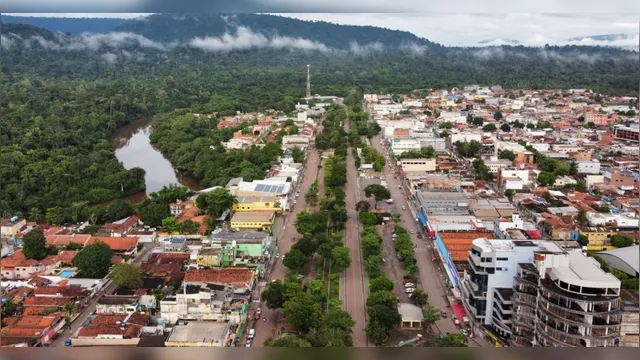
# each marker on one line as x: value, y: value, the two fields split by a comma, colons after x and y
x: 278, y: 256
x: 411, y: 231
x: 409, y: 290
x: 404, y: 207
x: 248, y: 344
x: 464, y: 332
x: 409, y: 285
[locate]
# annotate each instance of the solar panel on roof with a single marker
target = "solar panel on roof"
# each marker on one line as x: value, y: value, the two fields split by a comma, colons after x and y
x: 260, y: 187
x: 280, y: 188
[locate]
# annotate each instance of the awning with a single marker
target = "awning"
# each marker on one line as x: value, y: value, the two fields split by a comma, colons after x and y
x: 422, y: 218
x: 458, y: 311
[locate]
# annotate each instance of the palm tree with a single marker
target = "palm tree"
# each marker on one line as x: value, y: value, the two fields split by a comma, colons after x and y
x: 35, y: 214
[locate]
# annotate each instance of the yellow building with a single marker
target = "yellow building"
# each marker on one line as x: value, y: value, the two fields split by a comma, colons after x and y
x: 599, y: 238
x: 253, y: 220
x: 257, y: 203
x: 11, y: 227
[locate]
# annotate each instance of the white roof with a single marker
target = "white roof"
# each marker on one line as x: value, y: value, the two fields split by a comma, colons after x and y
x: 629, y: 255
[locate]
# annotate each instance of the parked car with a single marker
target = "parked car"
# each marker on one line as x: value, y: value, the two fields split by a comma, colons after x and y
x: 278, y: 256
x: 443, y: 313
x: 464, y: 332
x: 404, y: 207
x: 411, y: 231
x: 409, y: 285
x: 409, y: 290
x: 248, y: 344
x: 252, y: 334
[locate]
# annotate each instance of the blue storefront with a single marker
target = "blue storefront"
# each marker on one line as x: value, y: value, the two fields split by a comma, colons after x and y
x: 449, y: 266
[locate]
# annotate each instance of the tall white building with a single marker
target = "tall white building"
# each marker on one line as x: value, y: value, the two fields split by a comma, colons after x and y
x: 534, y: 293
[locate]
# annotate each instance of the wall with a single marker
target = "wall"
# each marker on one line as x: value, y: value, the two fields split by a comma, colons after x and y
x: 418, y: 165
x: 449, y: 267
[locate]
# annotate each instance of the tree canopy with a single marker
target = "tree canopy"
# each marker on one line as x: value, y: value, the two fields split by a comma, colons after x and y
x: 94, y: 260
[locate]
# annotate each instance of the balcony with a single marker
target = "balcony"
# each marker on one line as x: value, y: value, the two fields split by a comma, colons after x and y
x: 524, y: 322
x: 520, y: 341
x: 598, y: 320
x: 524, y: 299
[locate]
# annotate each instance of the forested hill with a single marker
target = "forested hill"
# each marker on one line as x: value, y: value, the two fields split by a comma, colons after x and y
x: 166, y: 27
x: 73, y: 26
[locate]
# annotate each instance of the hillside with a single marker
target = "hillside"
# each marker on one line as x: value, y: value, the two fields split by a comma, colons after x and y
x: 73, y: 26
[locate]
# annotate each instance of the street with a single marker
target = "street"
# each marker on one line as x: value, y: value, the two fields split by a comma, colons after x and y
x: 429, y: 272
x: 354, y: 300
x: 108, y: 289
x: 267, y: 329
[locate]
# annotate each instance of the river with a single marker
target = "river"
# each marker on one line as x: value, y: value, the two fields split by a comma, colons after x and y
x: 133, y: 149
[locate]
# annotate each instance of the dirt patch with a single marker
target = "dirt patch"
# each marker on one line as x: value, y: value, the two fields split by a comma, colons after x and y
x: 399, y: 334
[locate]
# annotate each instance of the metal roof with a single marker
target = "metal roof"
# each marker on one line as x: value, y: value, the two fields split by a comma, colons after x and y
x: 629, y: 255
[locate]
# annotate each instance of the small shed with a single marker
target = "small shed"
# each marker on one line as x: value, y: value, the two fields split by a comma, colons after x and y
x: 412, y: 316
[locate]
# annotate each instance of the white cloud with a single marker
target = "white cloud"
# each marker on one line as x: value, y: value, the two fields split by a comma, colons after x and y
x: 95, y: 42
x: 245, y: 39
x: 109, y: 57
x: 366, y: 49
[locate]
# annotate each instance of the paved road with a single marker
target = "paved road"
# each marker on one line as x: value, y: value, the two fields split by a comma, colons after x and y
x: 354, y: 299
x: 88, y: 311
x: 429, y: 271
x: 265, y: 330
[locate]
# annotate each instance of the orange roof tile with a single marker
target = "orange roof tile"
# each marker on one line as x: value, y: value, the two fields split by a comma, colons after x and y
x: 67, y: 256
x: 34, y: 310
x: 64, y: 240
x: 239, y: 277
x: 46, y: 301
x: 119, y: 243
x: 30, y: 321
x: 21, y: 331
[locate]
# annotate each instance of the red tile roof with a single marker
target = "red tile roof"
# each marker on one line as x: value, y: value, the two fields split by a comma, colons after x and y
x: 237, y: 277
x: 8, y: 341
x: 30, y: 321
x: 67, y: 256
x: 64, y: 240
x: 54, y: 290
x: 118, y: 243
x: 124, y: 226
x: 21, y: 332
x: 46, y: 301
x: 112, y: 325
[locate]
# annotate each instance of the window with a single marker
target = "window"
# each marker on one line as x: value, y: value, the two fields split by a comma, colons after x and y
x: 485, y: 260
x: 502, y: 259
x: 499, y: 269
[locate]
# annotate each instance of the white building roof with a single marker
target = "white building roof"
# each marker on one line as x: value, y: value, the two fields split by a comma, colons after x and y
x: 629, y: 255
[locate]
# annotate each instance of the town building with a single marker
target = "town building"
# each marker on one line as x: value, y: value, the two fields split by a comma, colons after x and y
x: 199, y: 334
x: 418, y: 165
x: 253, y: 220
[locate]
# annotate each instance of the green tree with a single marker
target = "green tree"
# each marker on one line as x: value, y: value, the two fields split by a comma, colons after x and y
x: 490, y: 127
x: 477, y: 121
x: 118, y: 209
x: 340, y: 258
x: 582, y: 218
x: 380, y: 284
x: 56, y: 215
x: 94, y: 260
x: 152, y: 212
x: 382, y: 298
x: 418, y: 297
x: 363, y: 206
x: 34, y: 245
x: 509, y: 193
x: 431, y: 315
x: 445, y: 125
x: 621, y: 241
x: 505, y: 128
x: 376, y: 333
x: 126, y: 276
x: 497, y: 116
x: 170, y: 224
x: 216, y: 202
x: 452, y: 340
x: 297, y: 154
x: 303, y: 312
x: 506, y: 154
x: 368, y: 218
x: 546, y: 178
x: 468, y: 148
x: 274, y: 295
x: 378, y: 192
x: 289, y: 341
x: 573, y: 168
x: 295, y: 260
x: 189, y: 227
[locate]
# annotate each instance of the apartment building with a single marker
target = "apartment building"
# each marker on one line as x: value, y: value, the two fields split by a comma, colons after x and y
x: 565, y: 300
x: 204, y: 302
x: 628, y: 133
x: 399, y: 146
x: 588, y: 167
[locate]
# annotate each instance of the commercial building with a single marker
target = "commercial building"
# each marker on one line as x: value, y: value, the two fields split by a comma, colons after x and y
x: 630, y: 327
x: 253, y: 220
x: 256, y: 203
x: 443, y: 202
x: 418, y: 165
x: 625, y: 259
x: 199, y: 334
x: 399, y: 146
x: 565, y: 300
x: 629, y: 133
x: 588, y: 167
x: 204, y: 302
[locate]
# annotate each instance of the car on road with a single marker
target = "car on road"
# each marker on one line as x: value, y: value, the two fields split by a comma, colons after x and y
x: 411, y: 231
x: 282, y: 257
x: 409, y: 285
x: 409, y: 290
x: 464, y: 332
x: 278, y: 256
x: 248, y: 344
x: 252, y: 334
x: 399, y: 186
x: 443, y: 313
x: 404, y: 207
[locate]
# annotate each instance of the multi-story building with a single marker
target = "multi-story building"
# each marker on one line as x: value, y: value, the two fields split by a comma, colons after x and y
x: 399, y: 146
x: 205, y: 302
x: 588, y: 167
x: 628, y: 133
x: 487, y: 286
x: 565, y: 300
x: 630, y: 327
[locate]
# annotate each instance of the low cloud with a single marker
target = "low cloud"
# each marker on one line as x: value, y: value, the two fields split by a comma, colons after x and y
x: 628, y: 42
x: 109, y: 57
x: 366, y: 49
x: 488, y: 53
x: 414, y: 48
x: 95, y: 42
x: 245, y: 39
x: 9, y: 41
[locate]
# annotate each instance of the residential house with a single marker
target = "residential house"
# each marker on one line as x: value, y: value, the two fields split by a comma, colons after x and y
x: 111, y: 330
x: 241, y: 279
x: 11, y: 227
x: 204, y: 302
x: 179, y: 206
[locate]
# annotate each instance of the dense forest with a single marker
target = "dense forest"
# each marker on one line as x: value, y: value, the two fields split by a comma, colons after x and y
x: 63, y: 96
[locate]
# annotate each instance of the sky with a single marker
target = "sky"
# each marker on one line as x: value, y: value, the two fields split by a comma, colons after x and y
x: 469, y: 29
